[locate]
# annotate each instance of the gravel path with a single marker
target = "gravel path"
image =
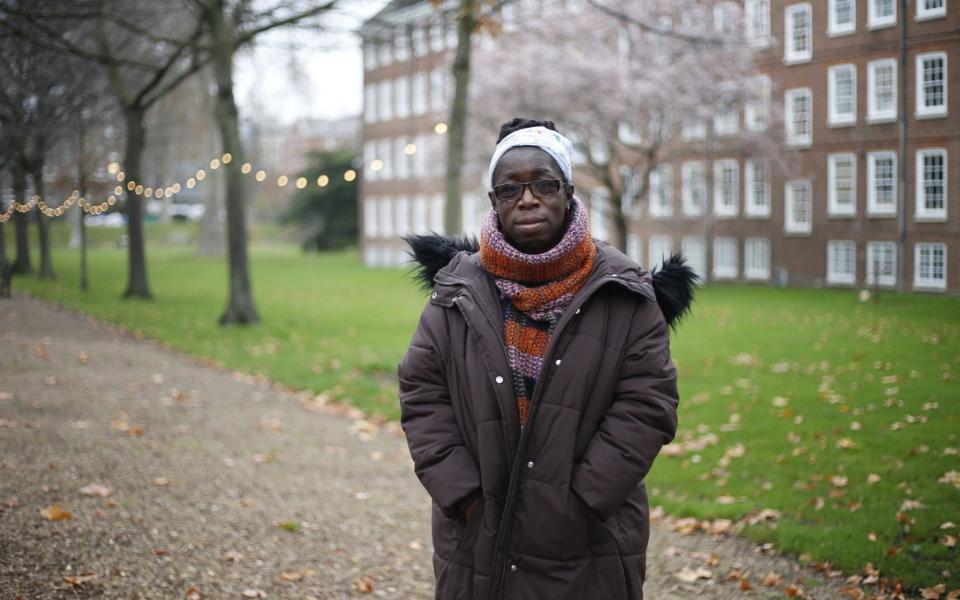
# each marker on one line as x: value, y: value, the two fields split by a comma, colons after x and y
x: 230, y: 486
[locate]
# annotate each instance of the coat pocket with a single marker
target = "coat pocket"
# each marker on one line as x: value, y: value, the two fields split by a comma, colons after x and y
x: 468, y: 530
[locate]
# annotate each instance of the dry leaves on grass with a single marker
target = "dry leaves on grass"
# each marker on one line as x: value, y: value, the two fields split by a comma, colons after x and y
x: 364, y: 585
x: 55, y: 513
x: 95, y: 489
x: 78, y: 579
x: 688, y: 575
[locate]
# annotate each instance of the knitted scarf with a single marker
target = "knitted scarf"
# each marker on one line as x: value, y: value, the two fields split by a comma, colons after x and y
x: 535, y: 289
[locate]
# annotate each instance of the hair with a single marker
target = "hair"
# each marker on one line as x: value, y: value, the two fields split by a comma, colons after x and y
x: 519, y: 123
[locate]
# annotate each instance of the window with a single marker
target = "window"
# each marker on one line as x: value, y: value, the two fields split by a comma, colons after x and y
x: 695, y: 251
x: 694, y: 128
x: 726, y: 17
x: 628, y: 133
x: 841, y: 262
x: 370, y: 103
x: 386, y: 216
x: 843, y: 17
x: 725, y: 258
x: 661, y: 192
x: 726, y: 188
x: 930, y: 266
x: 842, y: 185
x: 757, y: 188
x: 437, y: 99
x: 403, y: 46
x: 660, y: 249
x: 882, y: 90
x: 419, y: 93
x: 799, y: 117
x: 386, y: 157
x: 842, y: 95
x: 420, y: 157
x: 403, y: 97
x: 597, y: 148
x: 369, y: 55
x: 384, y: 52
x: 931, y: 177
x: 798, y: 212
x: 798, y: 45
x: 931, y: 9
x: 881, y: 13
x: 756, y: 259
x: 436, y: 38
x: 420, y: 215
x: 403, y: 215
x: 881, y: 263
x: 726, y: 121
x: 369, y: 154
x: 757, y: 110
x: 420, y: 47
x: 370, y: 217
x: 881, y: 184
x: 401, y: 163
x: 436, y: 213
x: 386, y: 100
x: 635, y: 248
x: 369, y: 255
x: 758, y: 22
x: 694, y: 188
x: 932, y: 85
x: 599, y: 202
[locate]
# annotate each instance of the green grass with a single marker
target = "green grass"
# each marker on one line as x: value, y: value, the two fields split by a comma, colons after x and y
x: 823, y: 387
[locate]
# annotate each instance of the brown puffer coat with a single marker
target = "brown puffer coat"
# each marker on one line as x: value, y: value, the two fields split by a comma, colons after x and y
x: 563, y: 511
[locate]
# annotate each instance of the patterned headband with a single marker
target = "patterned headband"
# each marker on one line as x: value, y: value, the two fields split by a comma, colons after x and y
x: 551, y: 142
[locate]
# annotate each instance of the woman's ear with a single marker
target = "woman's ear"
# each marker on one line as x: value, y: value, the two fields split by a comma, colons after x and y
x: 493, y: 199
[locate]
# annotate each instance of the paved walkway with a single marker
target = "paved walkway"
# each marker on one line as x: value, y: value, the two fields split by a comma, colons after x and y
x: 229, y: 486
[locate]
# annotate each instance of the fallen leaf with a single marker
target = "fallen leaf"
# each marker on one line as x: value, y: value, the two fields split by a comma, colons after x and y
x: 95, y: 489
x: 947, y: 525
x: 745, y: 585
x: 161, y: 481
x: 950, y: 541
x: 55, y: 513
x: 291, y: 576
x: 872, y: 478
x: 79, y: 579
x: 771, y: 579
x: 193, y: 594
x: 363, y: 585
x: 688, y: 575
x: 232, y: 556
x: 933, y: 593
x: 253, y: 593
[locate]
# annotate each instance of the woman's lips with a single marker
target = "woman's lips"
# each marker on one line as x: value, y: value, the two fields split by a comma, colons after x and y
x: 530, y: 226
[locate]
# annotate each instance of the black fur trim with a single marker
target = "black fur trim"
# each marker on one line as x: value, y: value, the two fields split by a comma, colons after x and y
x: 674, y: 284
x: 432, y: 252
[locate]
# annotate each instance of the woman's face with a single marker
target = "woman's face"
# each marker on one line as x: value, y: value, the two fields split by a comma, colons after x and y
x: 530, y: 223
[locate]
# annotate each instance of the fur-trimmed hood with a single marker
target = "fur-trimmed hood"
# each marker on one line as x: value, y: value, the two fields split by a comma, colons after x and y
x: 673, y: 283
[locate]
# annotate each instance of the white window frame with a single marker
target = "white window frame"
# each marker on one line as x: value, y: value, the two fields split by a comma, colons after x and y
x: 928, y: 283
x: 836, y: 29
x: 420, y: 212
x: 757, y: 12
x: 726, y: 121
x: 661, y: 192
x: 791, y: 55
x: 834, y: 208
x: 420, y: 45
x: 924, y: 13
x: 874, y: 209
x: 694, y: 128
x: 369, y: 55
x: 688, y: 169
x: 694, y: 249
x: 928, y: 112
x: 402, y: 96
x: 752, y: 271
x: 437, y: 203
x: 370, y: 103
x: 385, y: 216
x: 385, y: 96
x: 834, y: 117
x: 420, y: 93
x: 886, y: 277
x: 401, y: 165
x: 922, y: 213
x: 725, y: 248
x: 793, y: 138
x: 756, y: 112
x: 370, y: 212
x: 875, y: 115
x: 402, y: 45
x: 635, y: 248
x: 845, y: 250
x: 385, y: 52
x: 877, y: 22
x: 369, y: 155
x: 599, y: 203
x: 750, y: 208
x: 790, y: 225
x: 386, y: 159
x: 437, y: 91
x: 402, y: 215
x: 660, y: 249
x: 722, y: 209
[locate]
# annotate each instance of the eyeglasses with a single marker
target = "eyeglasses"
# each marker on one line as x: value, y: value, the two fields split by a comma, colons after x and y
x: 544, y: 189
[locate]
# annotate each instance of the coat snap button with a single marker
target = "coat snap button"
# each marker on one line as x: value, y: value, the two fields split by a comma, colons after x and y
x: 499, y: 379
x: 614, y: 275
x: 530, y: 465
x: 513, y: 567
x: 577, y: 312
x: 433, y: 295
x: 558, y: 362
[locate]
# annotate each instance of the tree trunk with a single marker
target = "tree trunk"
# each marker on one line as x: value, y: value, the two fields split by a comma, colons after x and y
x: 240, y: 305
x: 137, y: 283
x: 457, y: 129
x: 43, y: 226
x: 21, y: 263
x: 3, y: 237
x: 81, y: 220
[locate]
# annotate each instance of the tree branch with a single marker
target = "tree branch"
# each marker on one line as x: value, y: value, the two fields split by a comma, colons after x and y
x: 248, y: 36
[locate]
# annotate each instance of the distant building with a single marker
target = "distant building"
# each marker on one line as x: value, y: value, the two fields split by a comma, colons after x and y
x: 871, y: 101
x: 316, y: 135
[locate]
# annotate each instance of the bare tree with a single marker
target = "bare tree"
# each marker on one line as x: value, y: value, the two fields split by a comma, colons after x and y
x: 622, y: 79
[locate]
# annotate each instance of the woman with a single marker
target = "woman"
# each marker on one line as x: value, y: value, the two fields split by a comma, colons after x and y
x: 537, y: 390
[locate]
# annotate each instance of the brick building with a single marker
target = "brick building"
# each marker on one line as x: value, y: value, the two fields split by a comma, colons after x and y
x: 870, y: 96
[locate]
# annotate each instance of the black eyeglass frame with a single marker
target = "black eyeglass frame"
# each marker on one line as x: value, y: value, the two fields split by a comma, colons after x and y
x: 561, y: 185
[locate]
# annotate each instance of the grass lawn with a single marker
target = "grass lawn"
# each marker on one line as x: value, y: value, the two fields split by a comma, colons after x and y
x: 839, y: 414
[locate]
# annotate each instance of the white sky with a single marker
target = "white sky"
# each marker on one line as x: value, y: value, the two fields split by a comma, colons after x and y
x: 322, y: 76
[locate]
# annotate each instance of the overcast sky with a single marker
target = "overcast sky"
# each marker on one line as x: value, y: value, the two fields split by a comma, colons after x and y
x: 295, y: 74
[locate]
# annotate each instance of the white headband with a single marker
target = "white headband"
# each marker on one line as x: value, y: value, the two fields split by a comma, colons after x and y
x: 548, y: 140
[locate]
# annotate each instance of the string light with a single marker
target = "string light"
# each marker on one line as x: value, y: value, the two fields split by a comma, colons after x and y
x: 350, y: 175
x: 301, y: 183
x: 323, y: 180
